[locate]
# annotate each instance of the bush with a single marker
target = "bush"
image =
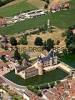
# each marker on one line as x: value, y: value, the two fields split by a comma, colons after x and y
x: 35, y: 89
x: 63, y: 34
x: 44, y: 86
x: 25, y: 56
x: 23, y: 40
x: 52, y: 84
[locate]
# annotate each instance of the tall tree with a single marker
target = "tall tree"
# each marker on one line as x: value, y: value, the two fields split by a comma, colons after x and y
x: 13, y: 41
x: 17, y: 55
x: 38, y: 41
x: 44, y: 45
x: 49, y: 44
x: 45, y: 6
x: 70, y: 39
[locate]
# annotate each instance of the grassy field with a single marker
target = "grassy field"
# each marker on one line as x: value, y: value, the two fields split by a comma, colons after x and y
x: 16, y: 8
x: 24, y: 25
x: 69, y: 59
x: 37, y: 80
x: 62, y: 19
x: 57, y: 34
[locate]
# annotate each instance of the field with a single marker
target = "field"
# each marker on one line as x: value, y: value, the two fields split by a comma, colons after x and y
x: 16, y: 8
x: 57, y: 34
x: 54, y: 75
x: 24, y: 25
x: 62, y: 19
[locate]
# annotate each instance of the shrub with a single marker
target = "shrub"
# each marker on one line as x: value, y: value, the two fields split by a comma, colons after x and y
x: 23, y: 40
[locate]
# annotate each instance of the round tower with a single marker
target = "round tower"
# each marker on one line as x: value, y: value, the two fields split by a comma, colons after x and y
x: 24, y: 62
x: 51, y: 62
x: 55, y: 60
x: 40, y: 67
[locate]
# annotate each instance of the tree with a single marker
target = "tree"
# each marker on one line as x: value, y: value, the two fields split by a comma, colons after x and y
x: 57, y: 42
x: 44, y: 45
x: 17, y: 97
x: 3, y: 58
x: 17, y: 55
x: 23, y: 40
x: 49, y: 44
x: 13, y: 41
x: 70, y: 40
x: 47, y: 1
x: 38, y: 41
x: 45, y: 6
x: 43, y: 28
x: 25, y: 56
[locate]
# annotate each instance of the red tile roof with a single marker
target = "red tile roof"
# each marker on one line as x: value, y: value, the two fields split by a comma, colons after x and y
x: 9, y: 53
x: 1, y: 80
x: 2, y: 64
x: 65, y: 90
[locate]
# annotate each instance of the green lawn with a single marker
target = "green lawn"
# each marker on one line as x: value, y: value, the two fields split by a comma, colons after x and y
x: 66, y: 18
x: 17, y: 8
x: 69, y: 59
x: 37, y: 80
x: 62, y: 19
x: 24, y: 25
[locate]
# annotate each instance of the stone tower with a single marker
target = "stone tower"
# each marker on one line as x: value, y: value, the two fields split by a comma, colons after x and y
x: 40, y: 67
x: 24, y: 63
x: 51, y: 61
x: 55, y: 60
x: 72, y: 73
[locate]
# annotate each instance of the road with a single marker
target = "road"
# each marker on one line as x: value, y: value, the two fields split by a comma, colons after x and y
x: 10, y: 83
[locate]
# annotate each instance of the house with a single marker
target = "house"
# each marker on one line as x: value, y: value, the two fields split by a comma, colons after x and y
x: 65, y: 90
x: 57, y: 5
x: 2, y: 65
x: 4, y: 41
x: 2, y: 21
x: 7, y: 54
x: 6, y: 67
x: 1, y: 81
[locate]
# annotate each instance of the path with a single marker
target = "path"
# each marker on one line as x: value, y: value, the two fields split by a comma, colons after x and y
x: 65, y: 67
x: 10, y: 83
